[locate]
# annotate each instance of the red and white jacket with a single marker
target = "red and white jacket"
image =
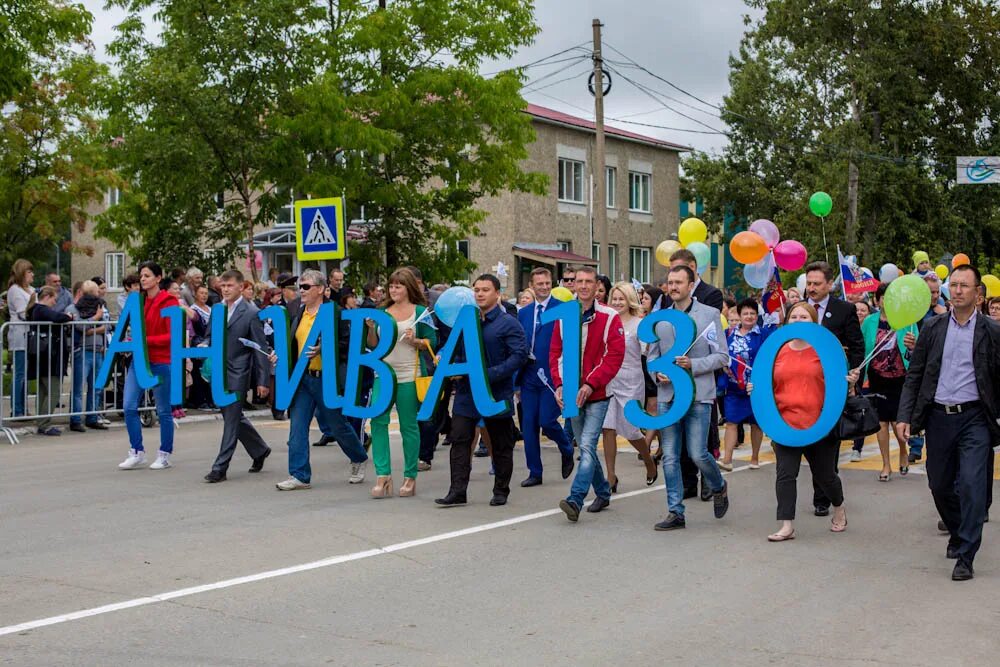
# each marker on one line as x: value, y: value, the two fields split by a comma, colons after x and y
x: 603, y: 342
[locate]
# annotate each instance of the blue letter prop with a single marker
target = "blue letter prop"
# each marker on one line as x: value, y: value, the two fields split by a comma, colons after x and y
x: 680, y: 378
x: 357, y: 359
x: 570, y: 316
x: 130, y: 321
x: 215, y: 353
x: 285, y: 384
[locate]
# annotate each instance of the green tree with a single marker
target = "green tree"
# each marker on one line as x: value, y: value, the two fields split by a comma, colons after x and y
x: 382, y: 105
x: 871, y: 102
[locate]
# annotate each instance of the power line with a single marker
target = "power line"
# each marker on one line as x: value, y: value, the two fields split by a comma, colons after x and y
x: 652, y: 95
x: 533, y: 87
x: 556, y: 72
x: 542, y: 61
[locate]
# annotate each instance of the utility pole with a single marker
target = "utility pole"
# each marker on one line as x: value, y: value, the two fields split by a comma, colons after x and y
x: 600, y: 210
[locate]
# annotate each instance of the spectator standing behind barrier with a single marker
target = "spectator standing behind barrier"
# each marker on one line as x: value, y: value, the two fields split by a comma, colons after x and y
x: 194, y: 279
x: 47, y: 356
x: 154, y: 302
x: 64, y: 298
x: 20, y: 295
x: 405, y: 304
x: 89, y: 344
x: 129, y: 285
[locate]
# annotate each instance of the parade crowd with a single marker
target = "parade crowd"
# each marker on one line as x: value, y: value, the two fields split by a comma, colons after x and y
x: 935, y: 386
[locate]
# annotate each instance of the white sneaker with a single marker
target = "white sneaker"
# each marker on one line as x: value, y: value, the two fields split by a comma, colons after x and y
x: 855, y: 456
x: 358, y: 471
x: 292, y: 484
x: 162, y: 461
x: 135, y: 459
x: 104, y: 420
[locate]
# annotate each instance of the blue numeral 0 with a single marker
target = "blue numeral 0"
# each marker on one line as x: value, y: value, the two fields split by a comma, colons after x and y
x: 834, y: 369
x: 681, y: 379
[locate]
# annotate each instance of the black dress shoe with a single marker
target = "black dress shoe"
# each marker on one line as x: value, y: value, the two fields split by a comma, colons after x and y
x: 706, y: 493
x: 98, y: 426
x: 672, y: 522
x: 215, y: 477
x: 952, y: 552
x: 819, y: 510
x: 481, y: 451
x: 531, y: 481
x: 498, y: 500
x: 963, y: 571
x: 598, y: 505
x: 942, y: 527
x: 912, y: 458
x: 278, y: 415
x: 258, y: 463
x: 451, y: 500
x: 721, y: 501
x: 78, y: 428
x: 323, y: 441
x: 571, y: 509
x: 567, y: 465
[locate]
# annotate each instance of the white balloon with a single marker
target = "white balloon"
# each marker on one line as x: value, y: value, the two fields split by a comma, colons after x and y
x: 888, y: 273
x: 800, y: 284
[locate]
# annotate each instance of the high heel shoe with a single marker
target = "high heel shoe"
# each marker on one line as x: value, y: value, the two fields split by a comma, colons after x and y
x: 383, y: 487
x: 650, y: 481
x: 614, y: 487
x: 408, y: 488
x: 658, y: 456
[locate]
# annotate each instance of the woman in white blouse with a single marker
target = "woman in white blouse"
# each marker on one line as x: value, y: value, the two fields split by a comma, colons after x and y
x: 19, y: 298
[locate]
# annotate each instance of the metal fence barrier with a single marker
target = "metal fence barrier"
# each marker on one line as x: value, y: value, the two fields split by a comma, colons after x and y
x: 52, y: 375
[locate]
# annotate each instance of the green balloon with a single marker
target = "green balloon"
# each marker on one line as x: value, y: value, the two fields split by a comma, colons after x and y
x: 820, y: 204
x: 906, y: 301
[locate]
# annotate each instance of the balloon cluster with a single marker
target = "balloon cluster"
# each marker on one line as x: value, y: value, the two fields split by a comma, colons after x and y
x: 761, y: 249
x: 692, y: 235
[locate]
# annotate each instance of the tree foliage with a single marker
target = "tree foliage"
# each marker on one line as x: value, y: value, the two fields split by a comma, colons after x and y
x: 895, y: 88
x: 381, y: 105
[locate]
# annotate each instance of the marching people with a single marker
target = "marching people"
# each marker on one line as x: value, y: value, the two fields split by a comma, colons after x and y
x: 539, y: 410
x: 241, y: 369
x: 505, y: 351
x: 743, y: 343
x: 702, y: 359
x: 603, y: 352
x: 626, y: 386
x: 157, y: 328
x: 308, y: 399
x: 951, y: 390
x: 799, y: 388
x: 405, y: 303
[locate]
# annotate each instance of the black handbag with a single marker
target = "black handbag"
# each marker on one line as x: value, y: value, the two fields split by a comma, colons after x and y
x: 859, y: 419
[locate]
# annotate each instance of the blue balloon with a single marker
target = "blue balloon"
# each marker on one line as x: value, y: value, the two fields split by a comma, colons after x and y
x: 834, y: 364
x: 450, y: 303
x: 759, y: 274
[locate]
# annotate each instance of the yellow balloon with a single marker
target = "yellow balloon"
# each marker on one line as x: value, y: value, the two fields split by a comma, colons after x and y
x: 561, y: 294
x: 691, y: 231
x: 665, y: 250
x: 725, y: 323
x: 992, y: 285
x: 941, y: 270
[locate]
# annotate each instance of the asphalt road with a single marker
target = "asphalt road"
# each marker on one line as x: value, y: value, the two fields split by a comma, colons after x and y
x: 401, y: 582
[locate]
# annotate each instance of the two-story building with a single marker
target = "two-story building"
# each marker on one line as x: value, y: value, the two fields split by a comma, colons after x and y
x: 522, y: 230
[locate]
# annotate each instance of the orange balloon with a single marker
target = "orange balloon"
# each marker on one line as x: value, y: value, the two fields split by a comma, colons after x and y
x: 960, y: 259
x: 748, y: 247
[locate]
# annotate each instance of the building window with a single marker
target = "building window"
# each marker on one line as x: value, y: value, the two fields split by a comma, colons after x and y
x: 639, y: 264
x: 463, y: 248
x: 638, y: 192
x: 114, y: 269
x: 220, y: 200
x: 570, y: 181
x: 610, y: 183
x: 613, y: 262
x: 114, y: 196
x: 565, y: 246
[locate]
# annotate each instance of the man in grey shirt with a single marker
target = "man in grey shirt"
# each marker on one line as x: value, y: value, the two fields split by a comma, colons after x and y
x: 951, y: 390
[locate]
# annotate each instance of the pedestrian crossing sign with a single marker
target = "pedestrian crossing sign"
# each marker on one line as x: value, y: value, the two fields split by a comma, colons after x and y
x: 319, y: 229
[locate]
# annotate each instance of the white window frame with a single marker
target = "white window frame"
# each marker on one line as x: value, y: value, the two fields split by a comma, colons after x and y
x: 571, y: 182
x: 612, y: 271
x: 114, y: 270
x: 640, y: 196
x: 565, y: 246
x: 458, y: 246
x: 610, y: 185
x: 639, y: 256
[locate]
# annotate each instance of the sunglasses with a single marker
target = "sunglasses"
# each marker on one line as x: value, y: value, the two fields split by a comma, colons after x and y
x: 569, y: 280
x: 306, y: 286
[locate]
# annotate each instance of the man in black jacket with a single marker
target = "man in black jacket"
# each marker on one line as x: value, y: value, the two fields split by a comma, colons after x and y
x: 841, y: 319
x: 951, y: 390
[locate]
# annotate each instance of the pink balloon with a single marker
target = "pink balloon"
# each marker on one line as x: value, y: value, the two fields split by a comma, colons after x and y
x: 790, y: 255
x: 767, y: 231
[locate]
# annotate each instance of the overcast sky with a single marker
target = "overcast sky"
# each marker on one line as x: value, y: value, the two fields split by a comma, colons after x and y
x: 687, y: 42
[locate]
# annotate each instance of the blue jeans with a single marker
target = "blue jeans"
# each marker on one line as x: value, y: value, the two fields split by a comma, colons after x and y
x: 161, y: 395
x: 20, y: 373
x: 86, y: 363
x: 308, y: 401
x: 691, y: 431
x: 916, y: 444
x: 588, y: 424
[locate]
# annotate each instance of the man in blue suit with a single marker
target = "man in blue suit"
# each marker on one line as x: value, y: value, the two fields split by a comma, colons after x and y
x: 538, y: 404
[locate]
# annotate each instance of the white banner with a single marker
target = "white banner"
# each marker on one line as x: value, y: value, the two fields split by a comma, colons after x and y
x: 978, y: 170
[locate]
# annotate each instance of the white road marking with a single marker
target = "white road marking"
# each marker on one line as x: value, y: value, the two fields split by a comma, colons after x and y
x: 305, y: 567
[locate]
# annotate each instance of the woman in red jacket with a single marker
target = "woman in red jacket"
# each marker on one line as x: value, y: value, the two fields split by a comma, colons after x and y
x: 157, y: 333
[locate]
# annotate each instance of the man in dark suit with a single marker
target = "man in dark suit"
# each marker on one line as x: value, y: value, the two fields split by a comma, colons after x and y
x: 709, y: 295
x: 958, y: 408
x: 539, y: 410
x: 841, y: 319
x: 241, y: 322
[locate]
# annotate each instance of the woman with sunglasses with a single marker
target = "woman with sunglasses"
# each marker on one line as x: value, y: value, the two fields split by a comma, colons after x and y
x: 405, y: 303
